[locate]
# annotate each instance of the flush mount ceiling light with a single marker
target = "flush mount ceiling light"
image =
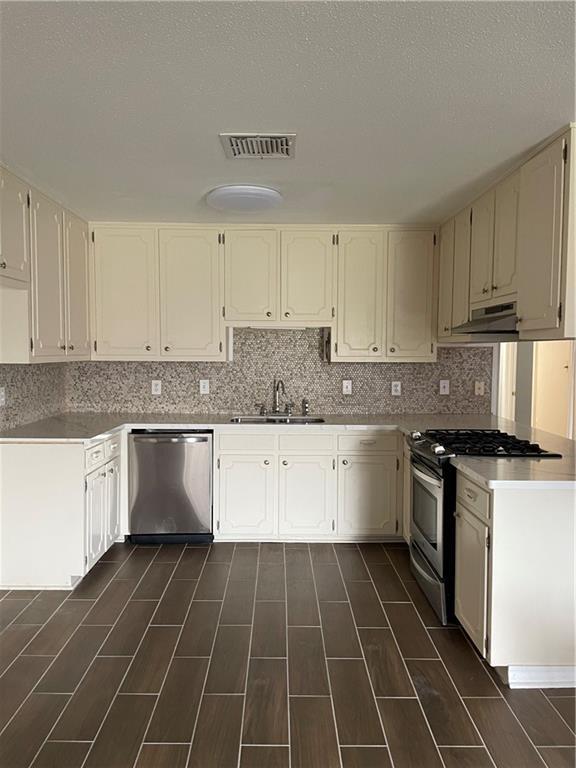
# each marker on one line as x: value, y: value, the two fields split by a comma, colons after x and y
x: 243, y: 198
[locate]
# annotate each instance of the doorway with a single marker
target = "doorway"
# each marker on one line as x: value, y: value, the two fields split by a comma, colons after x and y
x: 553, y: 387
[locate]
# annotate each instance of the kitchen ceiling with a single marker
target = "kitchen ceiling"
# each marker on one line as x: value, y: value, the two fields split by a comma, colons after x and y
x: 402, y: 110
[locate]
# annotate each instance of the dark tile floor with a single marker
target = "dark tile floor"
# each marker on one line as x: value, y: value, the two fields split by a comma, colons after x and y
x: 247, y: 656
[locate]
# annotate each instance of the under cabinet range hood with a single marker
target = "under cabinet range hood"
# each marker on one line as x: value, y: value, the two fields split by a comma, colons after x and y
x: 500, y: 319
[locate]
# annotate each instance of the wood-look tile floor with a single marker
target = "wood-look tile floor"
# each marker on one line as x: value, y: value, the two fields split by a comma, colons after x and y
x: 247, y: 656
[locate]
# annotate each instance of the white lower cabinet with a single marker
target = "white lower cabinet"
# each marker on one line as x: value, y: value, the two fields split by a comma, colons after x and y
x: 307, y: 496
x: 471, y: 575
x: 247, y: 485
x: 367, y: 495
x: 96, y: 511
x: 113, y: 483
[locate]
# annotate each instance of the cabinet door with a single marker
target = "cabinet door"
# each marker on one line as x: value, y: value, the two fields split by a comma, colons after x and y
x: 471, y: 575
x: 76, y: 280
x: 446, y: 270
x: 307, y: 496
x: 307, y: 277
x: 461, y: 286
x: 482, y: 249
x: 540, y: 238
x: 47, y: 278
x: 126, y: 293
x: 96, y: 513
x: 190, y: 294
x: 360, y: 312
x: 367, y: 494
x: 113, y: 502
x: 14, y: 231
x: 410, y: 288
x: 251, y: 275
x: 247, y: 495
x: 506, y: 237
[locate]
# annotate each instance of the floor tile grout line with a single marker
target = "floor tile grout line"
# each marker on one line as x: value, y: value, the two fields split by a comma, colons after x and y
x: 159, y: 693
x: 249, y: 660
x: 325, y: 656
x: 111, y: 627
x: 395, y: 639
x: 363, y: 657
x: 28, y: 604
x: 570, y: 727
x: 201, y: 699
x: 287, y: 657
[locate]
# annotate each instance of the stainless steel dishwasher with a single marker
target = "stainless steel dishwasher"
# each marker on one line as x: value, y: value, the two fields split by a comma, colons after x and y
x: 170, y: 488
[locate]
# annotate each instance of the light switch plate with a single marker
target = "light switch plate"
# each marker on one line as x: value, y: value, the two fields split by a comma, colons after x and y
x: 444, y: 386
x: 479, y: 388
x: 346, y: 386
x: 204, y: 386
x: 396, y: 388
x: 2, y: 397
x: 156, y: 387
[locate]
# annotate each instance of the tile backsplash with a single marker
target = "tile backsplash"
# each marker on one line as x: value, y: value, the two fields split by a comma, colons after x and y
x: 259, y: 356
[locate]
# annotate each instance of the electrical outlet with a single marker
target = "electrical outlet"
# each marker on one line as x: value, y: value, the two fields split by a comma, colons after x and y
x: 204, y: 386
x: 479, y: 388
x: 346, y: 386
x: 396, y: 388
x: 2, y: 397
x: 444, y: 386
x: 156, y: 387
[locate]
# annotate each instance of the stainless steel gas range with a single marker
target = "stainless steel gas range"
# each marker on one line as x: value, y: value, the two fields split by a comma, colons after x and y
x: 433, y: 501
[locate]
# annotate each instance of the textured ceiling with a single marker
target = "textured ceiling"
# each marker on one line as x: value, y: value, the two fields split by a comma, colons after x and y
x: 402, y: 110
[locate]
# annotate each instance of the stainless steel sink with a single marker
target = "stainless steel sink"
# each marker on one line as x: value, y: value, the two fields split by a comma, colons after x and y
x: 276, y: 419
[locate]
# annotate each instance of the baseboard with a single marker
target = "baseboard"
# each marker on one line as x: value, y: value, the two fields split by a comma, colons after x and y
x: 542, y: 677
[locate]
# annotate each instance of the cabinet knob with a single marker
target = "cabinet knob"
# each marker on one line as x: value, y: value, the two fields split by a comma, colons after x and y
x: 111, y: 470
x: 446, y: 329
x: 494, y: 287
x: 485, y: 290
x: 286, y: 314
x: 3, y: 265
x: 63, y: 347
x: 392, y: 349
x: 345, y: 462
x: 266, y: 463
x: 166, y: 349
x: 285, y: 463
x: 519, y: 320
x: 71, y: 347
x: 374, y: 349
x: 268, y: 314
x: 147, y: 347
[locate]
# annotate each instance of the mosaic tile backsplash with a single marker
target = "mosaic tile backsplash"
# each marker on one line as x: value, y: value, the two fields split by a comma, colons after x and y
x: 259, y: 356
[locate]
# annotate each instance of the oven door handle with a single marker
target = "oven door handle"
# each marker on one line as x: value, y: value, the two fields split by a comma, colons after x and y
x: 414, y: 559
x: 426, y: 478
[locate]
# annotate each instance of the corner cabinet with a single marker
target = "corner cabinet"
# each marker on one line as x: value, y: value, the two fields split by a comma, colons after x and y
x: 410, y: 296
x: 251, y: 271
x: 191, y: 287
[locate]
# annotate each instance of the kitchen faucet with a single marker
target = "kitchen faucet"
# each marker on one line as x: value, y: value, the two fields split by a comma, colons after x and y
x: 278, y: 385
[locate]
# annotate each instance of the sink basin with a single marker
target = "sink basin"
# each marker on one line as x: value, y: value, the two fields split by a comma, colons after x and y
x: 276, y: 419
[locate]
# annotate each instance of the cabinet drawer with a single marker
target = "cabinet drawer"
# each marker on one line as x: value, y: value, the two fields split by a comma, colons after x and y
x: 244, y: 442
x: 95, y: 456
x: 474, y: 498
x: 112, y: 447
x: 306, y: 442
x: 381, y: 441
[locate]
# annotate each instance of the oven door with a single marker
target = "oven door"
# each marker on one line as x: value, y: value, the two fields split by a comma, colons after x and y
x: 426, y: 514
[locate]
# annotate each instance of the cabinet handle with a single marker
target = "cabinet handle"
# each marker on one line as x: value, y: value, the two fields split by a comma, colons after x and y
x: 374, y: 349
x: 102, y: 474
x: 345, y: 462
x: 147, y: 347
x: 71, y: 347
x: 285, y: 463
x: 367, y: 442
x: 494, y: 287
x: 470, y: 494
x: 446, y: 329
x: 166, y: 349
x: 266, y: 463
x: 268, y: 314
x: 456, y: 514
x: 111, y: 470
x: 3, y: 265
x: 286, y: 314
x: 63, y: 347
x: 519, y: 320
x: 392, y: 349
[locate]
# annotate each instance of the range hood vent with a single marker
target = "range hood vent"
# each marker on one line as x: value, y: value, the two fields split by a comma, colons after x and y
x: 499, y: 319
x: 258, y: 145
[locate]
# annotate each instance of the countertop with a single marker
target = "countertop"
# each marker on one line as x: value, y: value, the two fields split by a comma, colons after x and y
x: 489, y: 472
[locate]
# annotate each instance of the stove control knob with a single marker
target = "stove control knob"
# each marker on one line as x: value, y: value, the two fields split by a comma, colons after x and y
x: 438, y: 449
x: 416, y: 435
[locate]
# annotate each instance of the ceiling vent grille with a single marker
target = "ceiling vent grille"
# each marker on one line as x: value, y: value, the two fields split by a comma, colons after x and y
x: 258, y: 145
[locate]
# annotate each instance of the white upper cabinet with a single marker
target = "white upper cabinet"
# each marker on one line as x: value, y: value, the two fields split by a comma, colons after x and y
x: 482, y: 248
x: 307, y: 277
x: 251, y: 272
x: 446, y: 276
x: 410, y: 302
x: 361, y: 295
x: 126, y: 293
x: 461, y: 286
x: 540, y: 239
x: 190, y: 294
x: 505, y: 268
x: 76, y: 281
x: 48, y: 290
x: 14, y: 231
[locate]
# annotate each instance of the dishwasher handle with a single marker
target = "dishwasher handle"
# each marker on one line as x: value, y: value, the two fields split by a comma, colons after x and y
x: 171, y: 439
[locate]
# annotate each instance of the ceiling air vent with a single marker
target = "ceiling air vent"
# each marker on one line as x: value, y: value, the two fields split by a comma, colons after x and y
x: 258, y: 145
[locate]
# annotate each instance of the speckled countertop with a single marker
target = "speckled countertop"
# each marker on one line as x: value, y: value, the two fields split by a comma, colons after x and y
x: 489, y: 472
